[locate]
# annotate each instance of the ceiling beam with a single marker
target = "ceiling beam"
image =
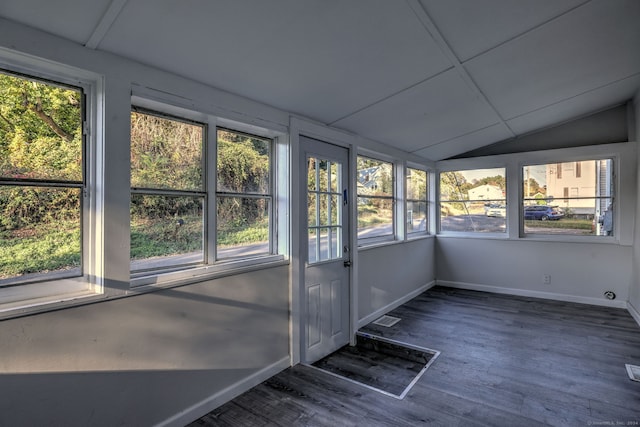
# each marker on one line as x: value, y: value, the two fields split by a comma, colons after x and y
x: 436, y: 35
x: 105, y: 23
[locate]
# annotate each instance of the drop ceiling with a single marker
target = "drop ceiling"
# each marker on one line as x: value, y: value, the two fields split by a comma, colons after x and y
x: 433, y: 77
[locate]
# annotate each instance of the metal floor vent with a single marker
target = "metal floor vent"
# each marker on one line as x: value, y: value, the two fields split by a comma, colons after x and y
x: 387, y: 321
x: 634, y: 372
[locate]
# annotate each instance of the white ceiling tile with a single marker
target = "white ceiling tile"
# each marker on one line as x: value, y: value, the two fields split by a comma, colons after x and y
x: 316, y: 58
x: 464, y: 143
x: 577, y: 106
x: 471, y: 26
x: 592, y: 46
x: 438, y: 109
x: 370, y: 66
x: 72, y: 19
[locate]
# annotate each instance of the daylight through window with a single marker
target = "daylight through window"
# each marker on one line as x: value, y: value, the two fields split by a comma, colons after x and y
x: 168, y: 195
x: 244, y: 195
x: 473, y: 201
x: 416, y: 186
x: 375, y: 199
x: 42, y: 180
x: 572, y: 198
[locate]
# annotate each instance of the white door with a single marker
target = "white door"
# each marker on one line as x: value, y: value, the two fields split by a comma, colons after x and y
x: 325, y: 238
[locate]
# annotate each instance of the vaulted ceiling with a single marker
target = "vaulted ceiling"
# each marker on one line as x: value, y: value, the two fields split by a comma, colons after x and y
x: 433, y: 77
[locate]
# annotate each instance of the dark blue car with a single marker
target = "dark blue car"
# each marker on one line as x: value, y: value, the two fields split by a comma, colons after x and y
x: 542, y: 212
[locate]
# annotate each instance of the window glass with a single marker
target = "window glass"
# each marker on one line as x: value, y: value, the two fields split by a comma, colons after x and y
x: 375, y: 198
x: 324, y: 209
x: 41, y: 180
x: 165, y: 153
x: 416, y: 183
x: 572, y: 198
x: 473, y: 201
x: 244, y: 194
x: 168, y: 199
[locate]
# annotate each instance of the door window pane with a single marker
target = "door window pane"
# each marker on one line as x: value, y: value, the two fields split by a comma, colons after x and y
x: 324, y: 209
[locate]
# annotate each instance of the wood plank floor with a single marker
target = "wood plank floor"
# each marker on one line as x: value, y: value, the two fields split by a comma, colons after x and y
x: 505, y: 361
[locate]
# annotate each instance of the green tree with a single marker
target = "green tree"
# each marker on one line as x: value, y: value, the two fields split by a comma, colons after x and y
x: 40, y: 139
x: 496, y: 181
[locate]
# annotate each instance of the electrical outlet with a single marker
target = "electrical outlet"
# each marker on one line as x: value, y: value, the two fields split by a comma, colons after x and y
x: 546, y: 279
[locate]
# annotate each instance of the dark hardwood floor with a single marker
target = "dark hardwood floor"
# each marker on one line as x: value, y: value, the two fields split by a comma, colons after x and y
x: 505, y: 361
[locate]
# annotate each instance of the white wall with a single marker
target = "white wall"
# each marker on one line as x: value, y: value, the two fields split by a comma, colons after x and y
x: 582, y: 268
x: 140, y: 360
x: 172, y: 354
x: 579, y: 272
x: 144, y: 359
x: 388, y: 274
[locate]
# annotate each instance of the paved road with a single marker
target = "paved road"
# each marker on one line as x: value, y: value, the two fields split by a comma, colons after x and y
x: 477, y: 223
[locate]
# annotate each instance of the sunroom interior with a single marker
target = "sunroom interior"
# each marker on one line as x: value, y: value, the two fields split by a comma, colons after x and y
x: 405, y: 145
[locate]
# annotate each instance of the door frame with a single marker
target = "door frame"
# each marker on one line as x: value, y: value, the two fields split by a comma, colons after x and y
x: 297, y: 309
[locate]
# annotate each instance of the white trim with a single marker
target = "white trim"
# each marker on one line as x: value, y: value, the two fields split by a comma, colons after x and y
x: 207, y: 405
x: 105, y: 23
x: 303, y: 127
x: 52, y: 292
x: 533, y: 294
x: 409, y: 386
x: 395, y: 304
x: 633, y: 312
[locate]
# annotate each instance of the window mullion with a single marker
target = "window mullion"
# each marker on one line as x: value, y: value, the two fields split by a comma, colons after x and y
x: 210, y: 168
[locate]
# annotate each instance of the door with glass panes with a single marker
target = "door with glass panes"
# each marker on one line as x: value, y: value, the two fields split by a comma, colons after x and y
x: 325, y: 248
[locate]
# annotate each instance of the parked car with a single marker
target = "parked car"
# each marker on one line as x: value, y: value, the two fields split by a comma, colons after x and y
x: 496, y: 211
x: 542, y: 212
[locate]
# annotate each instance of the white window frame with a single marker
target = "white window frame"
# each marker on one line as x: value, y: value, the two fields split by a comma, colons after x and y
x: 624, y: 158
x: 270, y: 196
x: 30, y: 297
x: 455, y: 166
x: 397, y: 207
x: 426, y: 231
x: 178, y: 192
x: 563, y: 158
x: 279, y: 231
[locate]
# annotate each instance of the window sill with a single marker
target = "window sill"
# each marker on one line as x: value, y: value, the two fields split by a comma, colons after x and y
x: 609, y: 240
x: 202, y: 273
x: 470, y: 235
x: 378, y: 244
x: 26, y: 300
x: 420, y: 236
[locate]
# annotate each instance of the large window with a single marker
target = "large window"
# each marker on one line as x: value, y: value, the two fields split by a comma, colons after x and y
x: 416, y: 190
x: 376, y: 200
x: 571, y: 198
x: 244, y: 195
x: 473, y: 201
x: 172, y: 220
x: 168, y: 195
x: 42, y: 180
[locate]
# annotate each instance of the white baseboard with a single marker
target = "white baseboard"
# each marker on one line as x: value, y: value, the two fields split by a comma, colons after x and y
x: 534, y: 294
x: 395, y: 304
x: 209, y: 404
x: 634, y: 312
